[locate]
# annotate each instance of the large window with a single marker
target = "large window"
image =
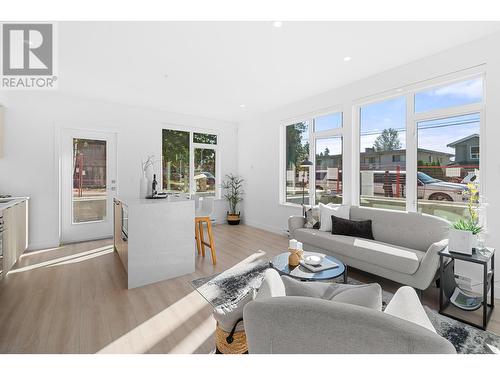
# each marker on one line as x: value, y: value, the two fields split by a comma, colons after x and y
x: 453, y: 95
x: 176, y: 161
x: 446, y: 165
x: 443, y: 151
x: 190, y: 162
x: 297, y: 150
x: 328, y: 170
x: 317, y: 140
x: 383, y: 154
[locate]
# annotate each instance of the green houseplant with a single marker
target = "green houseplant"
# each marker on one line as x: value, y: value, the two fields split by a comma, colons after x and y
x: 464, y: 231
x: 233, y: 193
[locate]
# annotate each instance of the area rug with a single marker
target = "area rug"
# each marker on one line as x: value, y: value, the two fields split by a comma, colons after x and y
x: 230, y: 286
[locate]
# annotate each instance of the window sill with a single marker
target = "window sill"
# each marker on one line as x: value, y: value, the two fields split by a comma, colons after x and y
x: 286, y: 204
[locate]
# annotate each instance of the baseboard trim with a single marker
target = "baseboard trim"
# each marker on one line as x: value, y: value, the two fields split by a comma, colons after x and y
x: 42, y: 245
x: 265, y: 227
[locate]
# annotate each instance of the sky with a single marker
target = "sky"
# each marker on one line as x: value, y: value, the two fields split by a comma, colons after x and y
x: 433, y: 135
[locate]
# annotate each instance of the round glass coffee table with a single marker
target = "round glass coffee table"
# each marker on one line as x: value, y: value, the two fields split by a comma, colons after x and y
x: 280, y: 264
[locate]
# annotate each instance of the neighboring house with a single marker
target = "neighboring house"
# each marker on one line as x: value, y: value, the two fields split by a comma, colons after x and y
x: 371, y: 159
x: 466, y: 150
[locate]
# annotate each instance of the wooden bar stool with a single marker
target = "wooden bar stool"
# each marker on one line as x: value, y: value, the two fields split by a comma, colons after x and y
x: 202, y: 215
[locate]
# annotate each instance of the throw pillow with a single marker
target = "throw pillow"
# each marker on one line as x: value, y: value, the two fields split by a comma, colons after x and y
x: 362, y: 229
x: 326, y: 211
x: 312, y: 218
x: 366, y: 295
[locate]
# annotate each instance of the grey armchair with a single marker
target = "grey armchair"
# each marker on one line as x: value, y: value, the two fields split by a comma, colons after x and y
x: 305, y: 325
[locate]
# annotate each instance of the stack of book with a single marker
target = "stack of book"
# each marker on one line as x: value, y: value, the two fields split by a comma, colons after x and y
x: 325, y: 264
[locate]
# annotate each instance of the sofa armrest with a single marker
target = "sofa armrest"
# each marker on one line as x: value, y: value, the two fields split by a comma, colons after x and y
x: 406, y: 305
x: 295, y: 222
x: 429, y: 265
x: 272, y: 285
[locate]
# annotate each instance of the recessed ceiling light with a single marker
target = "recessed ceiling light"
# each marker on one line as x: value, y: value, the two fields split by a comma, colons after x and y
x: 165, y: 76
x: 277, y: 23
x: 242, y: 105
x: 347, y: 58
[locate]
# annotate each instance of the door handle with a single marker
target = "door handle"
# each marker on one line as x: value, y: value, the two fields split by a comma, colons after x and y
x: 113, y: 188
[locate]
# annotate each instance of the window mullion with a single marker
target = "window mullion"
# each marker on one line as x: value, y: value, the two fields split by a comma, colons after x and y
x: 312, y: 158
x: 192, y: 189
x: 411, y: 155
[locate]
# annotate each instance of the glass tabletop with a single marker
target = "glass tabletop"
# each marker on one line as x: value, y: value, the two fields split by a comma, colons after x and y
x: 280, y: 264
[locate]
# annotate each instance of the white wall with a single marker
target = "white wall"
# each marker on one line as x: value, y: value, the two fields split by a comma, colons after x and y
x: 3, y: 98
x: 259, y: 137
x: 29, y: 166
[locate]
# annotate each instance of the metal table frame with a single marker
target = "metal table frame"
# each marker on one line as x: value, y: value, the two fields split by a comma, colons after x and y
x: 446, y: 274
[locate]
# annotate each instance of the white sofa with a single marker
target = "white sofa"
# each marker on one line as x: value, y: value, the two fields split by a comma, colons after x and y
x: 405, y: 246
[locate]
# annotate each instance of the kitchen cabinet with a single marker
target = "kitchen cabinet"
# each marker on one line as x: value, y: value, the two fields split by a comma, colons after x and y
x: 154, y: 238
x: 15, y: 235
x: 120, y: 241
x: 2, y: 131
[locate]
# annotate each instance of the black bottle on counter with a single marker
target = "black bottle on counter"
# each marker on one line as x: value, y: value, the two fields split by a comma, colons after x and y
x: 155, y: 184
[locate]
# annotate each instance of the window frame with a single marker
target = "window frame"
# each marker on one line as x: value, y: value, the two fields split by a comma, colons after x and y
x: 412, y: 120
x: 192, y: 147
x: 312, y: 136
x: 477, y: 154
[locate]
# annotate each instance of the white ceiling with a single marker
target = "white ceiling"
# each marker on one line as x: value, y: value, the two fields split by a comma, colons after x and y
x: 214, y: 67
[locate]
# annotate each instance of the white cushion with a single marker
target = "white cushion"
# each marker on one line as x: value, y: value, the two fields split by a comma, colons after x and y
x: 326, y: 212
x: 393, y: 257
x: 366, y: 295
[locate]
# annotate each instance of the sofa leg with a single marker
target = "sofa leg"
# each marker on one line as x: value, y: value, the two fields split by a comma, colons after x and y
x: 438, y: 282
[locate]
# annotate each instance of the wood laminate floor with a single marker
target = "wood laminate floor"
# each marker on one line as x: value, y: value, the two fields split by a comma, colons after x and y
x: 72, y: 299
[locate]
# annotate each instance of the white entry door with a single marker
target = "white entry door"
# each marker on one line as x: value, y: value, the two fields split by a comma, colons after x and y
x: 88, y: 184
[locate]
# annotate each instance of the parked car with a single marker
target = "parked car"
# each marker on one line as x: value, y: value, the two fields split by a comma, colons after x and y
x: 471, y: 177
x: 207, y: 176
x: 428, y: 188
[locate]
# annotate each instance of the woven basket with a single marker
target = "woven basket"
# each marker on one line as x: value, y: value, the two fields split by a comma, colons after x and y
x: 237, y: 346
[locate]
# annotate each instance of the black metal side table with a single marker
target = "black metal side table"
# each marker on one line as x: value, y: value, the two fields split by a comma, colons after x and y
x: 447, y: 282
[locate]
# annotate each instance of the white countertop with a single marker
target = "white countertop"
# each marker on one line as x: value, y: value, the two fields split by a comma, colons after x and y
x: 143, y: 201
x: 11, y: 202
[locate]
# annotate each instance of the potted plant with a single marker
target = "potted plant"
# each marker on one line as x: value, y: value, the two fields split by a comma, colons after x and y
x: 233, y: 192
x: 463, y: 232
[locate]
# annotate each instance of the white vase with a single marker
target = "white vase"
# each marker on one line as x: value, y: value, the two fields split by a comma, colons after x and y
x: 143, y: 190
x: 149, y: 187
x: 148, y: 173
x: 461, y: 241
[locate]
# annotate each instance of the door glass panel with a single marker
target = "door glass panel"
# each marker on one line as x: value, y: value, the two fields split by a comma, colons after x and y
x: 329, y: 170
x: 383, y: 154
x: 448, y: 161
x: 89, y: 180
x: 175, y: 148
x: 297, y: 150
x: 204, y: 173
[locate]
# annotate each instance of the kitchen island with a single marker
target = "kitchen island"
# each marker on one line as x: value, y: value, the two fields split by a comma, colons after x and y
x: 154, y: 238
